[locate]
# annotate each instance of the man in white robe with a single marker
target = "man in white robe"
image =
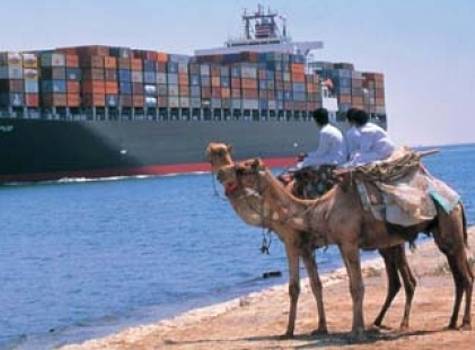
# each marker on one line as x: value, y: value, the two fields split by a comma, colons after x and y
x: 371, y: 142
x: 331, y: 146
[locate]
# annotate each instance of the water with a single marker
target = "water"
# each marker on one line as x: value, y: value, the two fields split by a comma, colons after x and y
x: 81, y: 260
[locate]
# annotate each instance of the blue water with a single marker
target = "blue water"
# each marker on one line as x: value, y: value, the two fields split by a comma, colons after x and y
x: 80, y: 260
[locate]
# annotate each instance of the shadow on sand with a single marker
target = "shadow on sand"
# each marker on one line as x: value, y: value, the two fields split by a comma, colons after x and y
x: 314, y: 341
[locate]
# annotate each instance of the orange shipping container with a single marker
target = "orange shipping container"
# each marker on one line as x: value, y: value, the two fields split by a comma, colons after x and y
x: 184, y: 90
x: 162, y: 57
x: 379, y: 102
x: 94, y: 100
x: 73, y: 87
x: 355, y: 100
x: 73, y: 100
x: 112, y: 88
x: 297, y: 68
x: 215, y: 81
x: 225, y: 93
x: 110, y: 62
x: 298, y: 77
x: 183, y: 79
x: 93, y: 87
x: 249, y: 83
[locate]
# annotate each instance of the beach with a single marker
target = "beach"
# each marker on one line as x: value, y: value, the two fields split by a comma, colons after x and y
x: 256, y: 321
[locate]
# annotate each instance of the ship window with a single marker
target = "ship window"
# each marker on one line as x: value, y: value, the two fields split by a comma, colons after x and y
x: 272, y: 113
x: 196, y: 114
x: 297, y: 115
x: 236, y: 114
x: 304, y: 115
x: 264, y: 114
x: 163, y: 113
x: 206, y: 114
x: 255, y: 115
x: 185, y: 114
x: 227, y: 114
x: 174, y: 114
x: 247, y: 114
x: 288, y: 115
x: 217, y: 114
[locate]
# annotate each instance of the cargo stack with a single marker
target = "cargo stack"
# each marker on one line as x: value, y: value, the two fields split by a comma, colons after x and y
x: 53, y: 87
x: 225, y: 79
x: 124, y: 79
x: 205, y: 76
x: 162, y: 80
x: 374, y: 93
x: 236, y: 89
x: 297, y: 69
x: 195, y: 86
x: 31, y: 77
x: 136, y: 73
x: 313, y: 92
x: 12, y: 84
x: 249, y: 84
x: 172, y: 79
x: 184, y: 85
x: 216, y: 86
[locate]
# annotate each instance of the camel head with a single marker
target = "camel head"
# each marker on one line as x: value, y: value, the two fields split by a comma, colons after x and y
x: 219, y: 155
x: 241, y: 175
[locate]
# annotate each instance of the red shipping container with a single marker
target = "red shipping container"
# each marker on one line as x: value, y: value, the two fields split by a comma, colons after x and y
x: 123, y: 63
x: 205, y: 92
x: 136, y: 64
x: 162, y: 101
x: 138, y: 100
x: 73, y: 100
x: 73, y: 87
x: 249, y: 83
x: 183, y: 79
x: 236, y: 93
x: 32, y: 100
x: 216, y: 92
x: 72, y: 61
x: 249, y: 94
x: 297, y: 68
x: 236, y: 83
x: 125, y: 100
x: 184, y: 90
x: 298, y: 77
x: 54, y: 100
x: 225, y: 93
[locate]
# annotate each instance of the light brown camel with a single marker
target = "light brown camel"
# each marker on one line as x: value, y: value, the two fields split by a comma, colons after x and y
x: 339, y: 218
x: 249, y: 208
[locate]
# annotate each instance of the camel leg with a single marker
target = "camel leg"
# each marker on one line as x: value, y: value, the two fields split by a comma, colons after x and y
x: 467, y: 317
x: 294, y: 288
x: 394, y: 285
x: 316, y: 285
x: 458, y: 291
x: 409, y: 283
x: 351, y: 256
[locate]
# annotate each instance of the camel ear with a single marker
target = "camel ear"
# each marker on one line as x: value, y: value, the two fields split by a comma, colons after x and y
x: 255, y: 163
x: 230, y: 147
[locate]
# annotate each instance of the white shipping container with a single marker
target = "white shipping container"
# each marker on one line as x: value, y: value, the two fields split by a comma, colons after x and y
x: 137, y: 76
x: 173, y: 102
x: 10, y: 58
x: 150, y: 101
x: 53, y: 60
x: 184, y: 102
x: 30, y: 73
x: 150, y: 90
x: 161, y: 78
x: 250, y: 104
x: 30, y: 60
x: 173, y: 90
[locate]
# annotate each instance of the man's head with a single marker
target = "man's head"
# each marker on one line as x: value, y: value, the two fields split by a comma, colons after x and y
x: 321, y: 117
x: 360, y: 118
x: 350, y: 114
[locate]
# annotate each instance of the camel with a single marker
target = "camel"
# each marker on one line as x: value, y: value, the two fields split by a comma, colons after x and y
x: 249, y: 209
x: 339, y: 218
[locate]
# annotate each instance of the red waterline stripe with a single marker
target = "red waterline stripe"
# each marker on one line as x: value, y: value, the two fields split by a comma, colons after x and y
x: 145, y: 170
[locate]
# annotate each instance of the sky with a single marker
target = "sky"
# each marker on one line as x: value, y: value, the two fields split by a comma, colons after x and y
x: 425, y: 48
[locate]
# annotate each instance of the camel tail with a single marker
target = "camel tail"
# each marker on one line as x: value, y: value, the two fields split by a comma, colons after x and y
x: 464, y: 222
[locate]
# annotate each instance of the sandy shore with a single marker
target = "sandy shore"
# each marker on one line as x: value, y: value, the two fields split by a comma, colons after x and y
x: 255, y: 321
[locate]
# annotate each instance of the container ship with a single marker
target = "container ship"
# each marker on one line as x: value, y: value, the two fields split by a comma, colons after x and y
x: 100, y: 111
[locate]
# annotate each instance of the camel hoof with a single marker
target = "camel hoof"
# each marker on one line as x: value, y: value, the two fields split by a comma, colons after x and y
x: 379, y: 326
x: 404, y: 327
x: 286, y: 336
x: 319, y: 331
x: 452, y: 327
x: 357, y: 337
x: 466, y: 327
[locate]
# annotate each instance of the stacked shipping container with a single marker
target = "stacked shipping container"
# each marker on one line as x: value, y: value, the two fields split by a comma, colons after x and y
x: 94, y: 77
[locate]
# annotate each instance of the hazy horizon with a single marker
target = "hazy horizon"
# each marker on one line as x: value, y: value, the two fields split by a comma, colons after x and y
x: 425, y: 49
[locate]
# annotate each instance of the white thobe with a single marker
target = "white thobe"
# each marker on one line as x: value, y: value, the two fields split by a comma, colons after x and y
x: 331, y: 149
x: 352, y: 140
x: 373, y: 144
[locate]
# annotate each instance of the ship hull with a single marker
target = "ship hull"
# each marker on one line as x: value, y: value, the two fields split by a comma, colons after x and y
x: 39, y: 150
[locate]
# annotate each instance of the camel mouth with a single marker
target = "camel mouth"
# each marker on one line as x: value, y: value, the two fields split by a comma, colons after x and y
x: 231, y: 187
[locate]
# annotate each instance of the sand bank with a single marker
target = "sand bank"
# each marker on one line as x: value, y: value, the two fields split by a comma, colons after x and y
x: 255, y: 321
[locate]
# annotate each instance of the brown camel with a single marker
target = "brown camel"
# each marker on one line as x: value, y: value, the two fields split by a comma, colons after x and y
x: 339, y: 218
x: 249, y: 209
